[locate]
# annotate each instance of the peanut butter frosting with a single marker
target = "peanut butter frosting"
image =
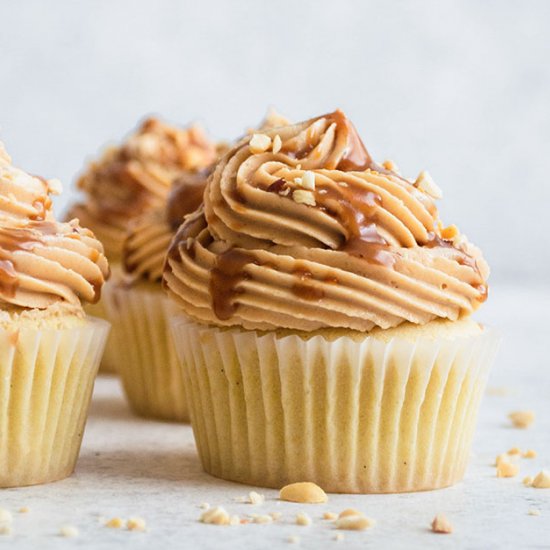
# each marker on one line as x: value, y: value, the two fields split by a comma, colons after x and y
x: 135, y: 178
x: 301, y: 229
x: 43, y: 262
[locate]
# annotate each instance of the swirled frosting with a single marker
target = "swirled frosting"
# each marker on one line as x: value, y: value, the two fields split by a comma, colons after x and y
x: 136, y: 178
x: 43, y: 262
x: 300, y: 229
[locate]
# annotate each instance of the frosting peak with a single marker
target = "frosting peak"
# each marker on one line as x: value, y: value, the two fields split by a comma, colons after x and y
x: 135, y: 178
x: 42, y: 261
x: 301, y: 229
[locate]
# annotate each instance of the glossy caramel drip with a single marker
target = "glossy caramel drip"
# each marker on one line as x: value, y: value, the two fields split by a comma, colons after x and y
x: 224, y: 281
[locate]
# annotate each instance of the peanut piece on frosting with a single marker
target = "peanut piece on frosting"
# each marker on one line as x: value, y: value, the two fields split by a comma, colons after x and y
x: 542, y: 480
x: 259, y: 143
x: 308, y: 180
x: 426, y: 183
x: 388, y: 164
x: 441, y: 524
x: 304, y: 492
x: 303, y: 196
x: 522, y: 419
x: 277, y: 144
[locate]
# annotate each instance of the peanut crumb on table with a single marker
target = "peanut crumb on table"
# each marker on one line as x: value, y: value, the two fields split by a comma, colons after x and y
x: 69, y: 531
x: 5, y: 529
x: 303, y: 519
x: 530, y: 453
x: 303, y: 492
x: 354, y: 522
x: 330, y: 516
x: 441, y: 524
x: 255, y: 498
x: 5, y: 516
x: 339, y: 537
x: 24, y: 510
x: 136, y: 524
x: 294, y: 539
x: 533, y: 512
x: 542, y: 480
x: 507, y: 469
x: 115, y: 523
x: 522, y: 419
x: 216, y: 516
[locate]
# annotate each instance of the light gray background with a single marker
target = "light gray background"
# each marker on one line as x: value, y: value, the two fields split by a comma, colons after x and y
x: 461, y: 88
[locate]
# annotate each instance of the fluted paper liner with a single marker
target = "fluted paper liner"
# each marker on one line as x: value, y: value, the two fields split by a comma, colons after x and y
x: 352, y: 416
x: 147, y: 361
x: 46, y: 382
x: 110, y: 354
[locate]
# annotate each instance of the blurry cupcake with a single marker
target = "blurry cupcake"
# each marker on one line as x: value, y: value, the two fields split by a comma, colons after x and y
x: 131, y: 180
x: 49, y: 349
x: 331, y: 339
x: 139, y: 309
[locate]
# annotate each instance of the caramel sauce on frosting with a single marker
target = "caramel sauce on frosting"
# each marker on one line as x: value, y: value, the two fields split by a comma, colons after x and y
x: 43, y: 262
x: 135, y: 178
x: 313, y: 233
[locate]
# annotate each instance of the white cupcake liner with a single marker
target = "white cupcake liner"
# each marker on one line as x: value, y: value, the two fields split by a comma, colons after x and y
x: 110, y: 355
x: 147, y: 361
x: 46, y: 382
x: 353, y: 416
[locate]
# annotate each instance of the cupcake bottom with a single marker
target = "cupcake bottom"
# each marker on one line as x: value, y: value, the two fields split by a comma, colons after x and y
x: 47, y: 373
x: 147, y: 362
x: 391, y: 411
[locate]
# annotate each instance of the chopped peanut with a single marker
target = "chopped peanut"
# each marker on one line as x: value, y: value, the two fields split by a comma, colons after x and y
x: 542, y: 480
x: 136, y: 524
x: 259, y: 143
x: 303, y: 519
x: 530, y: 453
x: 441, y: 524
x: 522, y: 419
x: 354, y: 522
x: 507, y: 469
x: 303, y: 492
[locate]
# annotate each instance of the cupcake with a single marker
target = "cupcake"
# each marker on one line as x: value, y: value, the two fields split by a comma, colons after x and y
x: 139, y: 309
x: 49, y: 349
x: 130, y: 181
x: 326, y: 332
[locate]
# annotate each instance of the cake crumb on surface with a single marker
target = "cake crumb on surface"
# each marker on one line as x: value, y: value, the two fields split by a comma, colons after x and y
x: 303, y: 492
x: 136, y: 524
x: 115, y: 523
x: 542, y: 480
x: 303, y: 519
x: 69, y: 531
x: 441, y: 524
x: 522, y: 419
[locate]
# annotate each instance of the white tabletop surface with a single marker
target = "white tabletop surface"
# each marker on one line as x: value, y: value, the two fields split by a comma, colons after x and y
x: 130, y: 467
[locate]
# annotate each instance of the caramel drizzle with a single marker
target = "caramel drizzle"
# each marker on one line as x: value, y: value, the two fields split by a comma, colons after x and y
x: 9, y: 282
x: 225, y: 278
